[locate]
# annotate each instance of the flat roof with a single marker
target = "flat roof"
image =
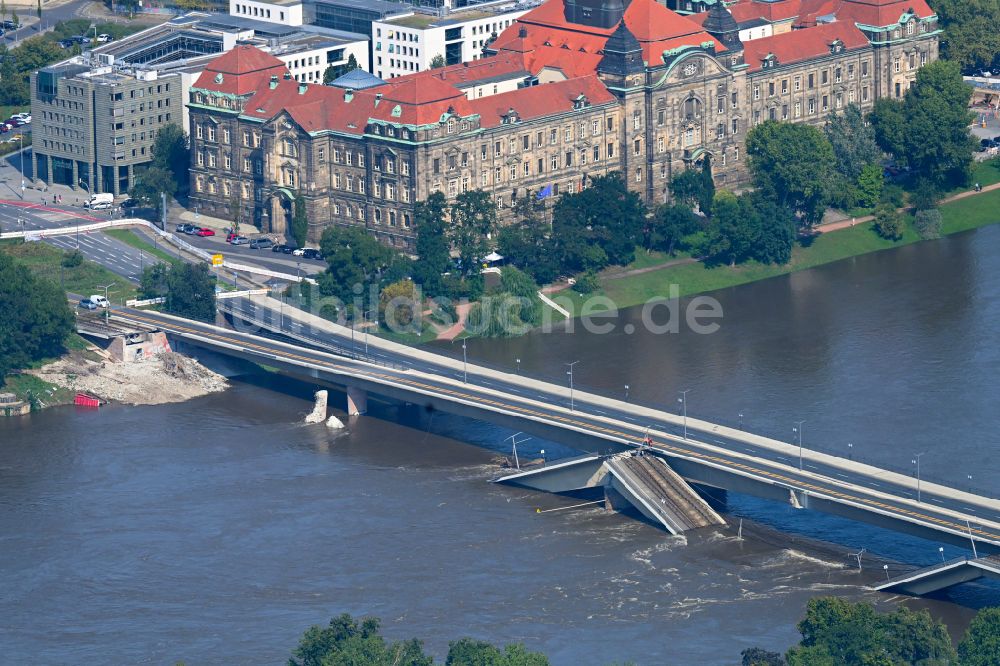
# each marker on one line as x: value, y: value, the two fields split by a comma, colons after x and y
x: 380, y: 6
x: 454, y: 18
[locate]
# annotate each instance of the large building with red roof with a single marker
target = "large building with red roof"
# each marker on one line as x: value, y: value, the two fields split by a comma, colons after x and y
x: 574, y: 89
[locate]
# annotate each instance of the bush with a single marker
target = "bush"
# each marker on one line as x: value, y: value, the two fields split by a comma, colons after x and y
x: 72, y: 259
x: 893, y: 195
x: 587, y: 283
x: 927, y: 223
x: 888, y: 222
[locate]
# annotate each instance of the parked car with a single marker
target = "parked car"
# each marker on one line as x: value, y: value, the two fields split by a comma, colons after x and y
x: 180, y: 227
x: 287, y: 249
x: 312, y: 253
x: 4, y: 128
x: 281, y: 248
x: 299, y: 251
x: 99, y: 301
x: 129, y: 203
x: 10, y: 25
x: 241, y: 240
x: 261, y: 243
x: 101, y: 205
x: 204, y: 231
x: 66, y: 43
x: 104, y: 37
x: 191, y: 230
x: 87, y: 304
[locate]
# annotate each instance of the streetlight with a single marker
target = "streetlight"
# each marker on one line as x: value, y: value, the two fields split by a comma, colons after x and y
x: 798, y: 429
x: 941, y: 551
x: 741, y: 420
x: 107, y: 303
x: 570, y: 373
x: 916, y: 461
x: 465, y: 363
x: 513, y: 445
x: 20, y: 159
x: 684, y: 401
x: 885, y: 568
x: 626, y: 393
x: 850, y: 451
x: 543, y: 457
x: 367, y: 312
x: 518, y: 366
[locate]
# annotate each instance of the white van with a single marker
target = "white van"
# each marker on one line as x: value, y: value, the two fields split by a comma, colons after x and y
x: 104, y: 197
x: 99, y: 301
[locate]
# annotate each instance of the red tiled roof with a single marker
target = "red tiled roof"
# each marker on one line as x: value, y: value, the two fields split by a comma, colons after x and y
x: 239, y: 71
x: 775, y: 12
x: 542, y: 100
x: 656, y: 27
x: 865, y: 12
x: 803, y: 44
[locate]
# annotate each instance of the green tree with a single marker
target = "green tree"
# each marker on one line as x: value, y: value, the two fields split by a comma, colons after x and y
x: 706, y: 193
x: 971, y: 32
x: 792, y: 164
x: 470, y: 652
x: 3, y: 9
x: 732, y: 235
x: 888, y: 222
x: 750, y: 226
x: 171, y: 153
x: 981, y: 644
x: 35, y: 318
x: 153, y: 282
x: 686, y: 187
x: 300, y: 221
x: 191, y: 291
x: 38, y: 12
x: 519, y: 285
x: 928, y: 223
x: 437, y: 61
x: 353, y: 259
x: 668, y: 227
x: 756, y: 656
x: 334, y: 72
x: 399, y: 305
x: 150, y: 183
x: 527, y: 242
x: 431, y: 243
x: 928, y: 131
x: 870, y: 183
x: 852, y: 140
x: 345, y: 641
x: 473, y: 218
x: 599, y: 226
x: 13, y: 86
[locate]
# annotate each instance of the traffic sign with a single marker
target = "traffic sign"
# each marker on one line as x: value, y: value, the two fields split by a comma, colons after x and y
x: 216, y: 259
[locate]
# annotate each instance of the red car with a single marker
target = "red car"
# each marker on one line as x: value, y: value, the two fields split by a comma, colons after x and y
x: 204, y: 232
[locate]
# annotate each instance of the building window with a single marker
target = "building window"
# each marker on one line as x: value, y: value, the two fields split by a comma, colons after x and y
x: 198, y: 131
x: 637, y: 147
x: 484, y: 178
x: 735, y: 125
x: 660, y: 144
x: 228, y: 162
x: 838, y: 75
x: 225, y: 135
x: 636, y: 120
x: 611, y: 150
x: 211, y: 133
x: 638, y: 174
x: 756, y: 91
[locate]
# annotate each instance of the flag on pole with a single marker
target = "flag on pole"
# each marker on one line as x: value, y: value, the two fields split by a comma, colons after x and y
x: 545, y: 192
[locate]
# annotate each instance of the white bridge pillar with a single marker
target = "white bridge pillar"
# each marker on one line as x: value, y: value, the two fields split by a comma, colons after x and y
x: 357, y: 401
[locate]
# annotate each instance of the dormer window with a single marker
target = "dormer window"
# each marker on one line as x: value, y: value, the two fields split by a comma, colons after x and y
x: 581, y: 102
x: 770, y: 60
x: 836, y: 46
x: 511, y: 117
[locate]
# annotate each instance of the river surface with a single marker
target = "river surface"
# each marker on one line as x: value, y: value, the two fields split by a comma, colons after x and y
x: 216, y: 531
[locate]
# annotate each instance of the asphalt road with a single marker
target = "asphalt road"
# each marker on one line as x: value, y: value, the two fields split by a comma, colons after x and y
x: 274, y: 261
x: 836, y: 483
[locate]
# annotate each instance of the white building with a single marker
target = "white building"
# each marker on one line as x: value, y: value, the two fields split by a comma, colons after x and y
x: 307, y: 58
x: 284, y: 12
x: 408, y: 44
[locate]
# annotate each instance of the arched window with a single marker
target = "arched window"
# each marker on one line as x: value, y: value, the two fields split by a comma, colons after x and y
x: 289, y: 147
x: 692, y: 108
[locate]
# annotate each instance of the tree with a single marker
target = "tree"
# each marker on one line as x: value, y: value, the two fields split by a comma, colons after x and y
x: 153, y: 283
x: 792, y: 164
x: 432, y: 242
x: 473, y: 218
x: 750, y: 226
x: 870, y: 183
x: 3, y: 9
x: 38, y: 12
x: 732, y: 235
x: 928, y: 223
x: 300, y: 221
x: 756, y: 656
x: 928, y: 131
x: 334, y: 72
x: 150, y: 183
x: 888, y: 222
x: 598, y: 226
x: 686, y: 187
x: 354, y: 259
x: 437, y: 61
x: 190, y: 291
x: 170, y: 153
x: 852, y: 140
x: 668, y: 226
x: 981, y: 644
x: 971, y: 33
x: 469, y: 652
x: 345, y: 641
x: 35, y: 318
x: 519, y: 285
x: 706, y: 193
x: 527, y: 242
x: 398, y: 305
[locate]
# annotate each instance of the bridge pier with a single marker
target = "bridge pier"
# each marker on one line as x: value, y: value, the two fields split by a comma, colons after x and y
x: 357, y: 401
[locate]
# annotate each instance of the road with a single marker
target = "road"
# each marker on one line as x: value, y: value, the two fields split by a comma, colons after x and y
x: 536, y: 401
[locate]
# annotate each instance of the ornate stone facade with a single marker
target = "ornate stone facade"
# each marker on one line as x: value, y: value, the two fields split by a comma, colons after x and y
x: 558, y: 102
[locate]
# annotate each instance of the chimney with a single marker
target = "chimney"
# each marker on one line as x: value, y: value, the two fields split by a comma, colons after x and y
x: 303, y: 87
x: 378, y: 98
x: 348, y: 95
x: 274, y: 81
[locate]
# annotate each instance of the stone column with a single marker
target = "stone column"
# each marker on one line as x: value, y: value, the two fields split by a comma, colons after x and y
x: 357, y: 401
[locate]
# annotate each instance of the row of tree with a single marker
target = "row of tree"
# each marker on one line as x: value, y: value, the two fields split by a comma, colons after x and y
x: 349, y: 641
x: 837, y: 632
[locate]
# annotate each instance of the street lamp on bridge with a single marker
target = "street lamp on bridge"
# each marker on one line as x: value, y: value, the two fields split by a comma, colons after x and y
x: 684, y: 401
x: 570, y: 373
x: 798, y: 429
x: 916, y: 461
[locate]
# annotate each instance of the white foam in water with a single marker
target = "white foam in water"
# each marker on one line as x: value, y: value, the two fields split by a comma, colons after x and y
x: 798, y: 555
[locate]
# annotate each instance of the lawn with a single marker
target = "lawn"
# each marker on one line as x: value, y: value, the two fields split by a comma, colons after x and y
x: 83, y: 279
x: 7, y: 110
x: 133, y: 239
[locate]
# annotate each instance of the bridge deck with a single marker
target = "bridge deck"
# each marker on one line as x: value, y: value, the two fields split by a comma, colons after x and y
x: 943, y: 575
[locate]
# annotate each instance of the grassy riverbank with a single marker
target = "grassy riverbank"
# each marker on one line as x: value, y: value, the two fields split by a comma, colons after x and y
x: 961, y: 215
x: 132, y: 238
